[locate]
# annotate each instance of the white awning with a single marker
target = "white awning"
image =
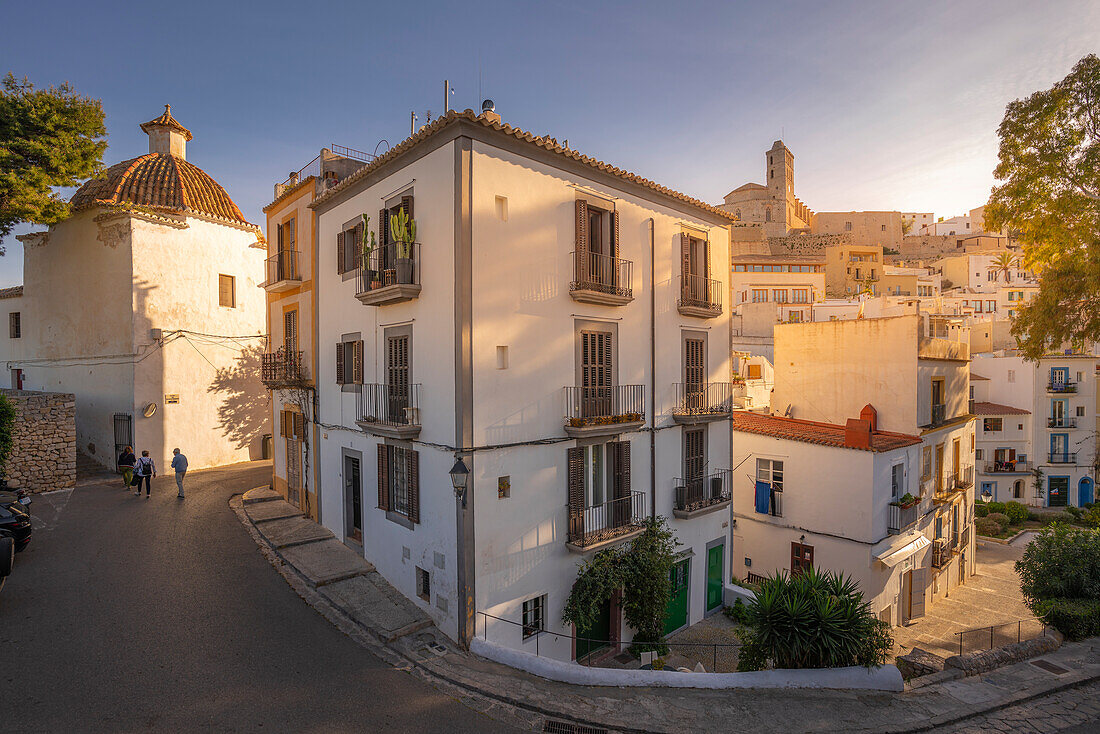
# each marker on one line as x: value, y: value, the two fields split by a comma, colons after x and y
x: 894, y: 556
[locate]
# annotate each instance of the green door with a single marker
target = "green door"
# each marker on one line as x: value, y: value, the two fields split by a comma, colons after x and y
x: 597, y: 636
x: 714, y: 576
x: 676, y: 615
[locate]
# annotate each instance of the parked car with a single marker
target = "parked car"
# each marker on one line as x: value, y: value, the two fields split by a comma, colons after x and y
x: 8, y: 497
x: 7, y: 558
x: 15, y: 523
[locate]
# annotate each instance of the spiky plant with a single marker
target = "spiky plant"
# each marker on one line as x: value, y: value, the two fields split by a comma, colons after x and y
x: 404, y: 232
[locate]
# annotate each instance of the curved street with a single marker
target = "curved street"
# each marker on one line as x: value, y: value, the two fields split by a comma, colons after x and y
x: 162, y: 615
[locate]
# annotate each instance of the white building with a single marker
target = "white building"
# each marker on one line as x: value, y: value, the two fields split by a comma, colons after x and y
x: 881, y: 490
x: 790, y: 283
x: 143, y: 303
x: 1058, y: 394
x: 960, y: 225
x: 560, y: 324
x: 918, y: 221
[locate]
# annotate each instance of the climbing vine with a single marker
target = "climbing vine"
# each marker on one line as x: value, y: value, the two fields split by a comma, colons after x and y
x: 7, y: 424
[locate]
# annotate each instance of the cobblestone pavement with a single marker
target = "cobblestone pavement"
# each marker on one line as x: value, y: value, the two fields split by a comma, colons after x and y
x: 1073, y: 710
x: 989, y: 597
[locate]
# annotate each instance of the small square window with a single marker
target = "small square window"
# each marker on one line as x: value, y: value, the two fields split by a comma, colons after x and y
x: 227, y: 291
x: 504, y: 487
x: 534, y: 616
x: 423, y: 584
x: 1080, y: 411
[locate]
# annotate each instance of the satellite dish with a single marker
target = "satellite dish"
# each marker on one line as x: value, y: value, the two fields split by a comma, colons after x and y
x: 150, y: 409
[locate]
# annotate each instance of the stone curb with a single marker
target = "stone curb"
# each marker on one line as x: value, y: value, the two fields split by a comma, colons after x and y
x: 526, y: 714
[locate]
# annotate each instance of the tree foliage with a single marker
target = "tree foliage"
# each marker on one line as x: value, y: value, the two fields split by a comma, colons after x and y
x: 7, y: 426
x: 814, y: 619
x: 1062, y: 562
x: 48, y: 137
x: 1049, y: 198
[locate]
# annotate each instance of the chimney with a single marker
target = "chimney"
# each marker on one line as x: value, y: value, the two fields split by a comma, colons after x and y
x: 166, y: 135
x: 857, y: 434
x: 489, y: 111
x: 870, y: 415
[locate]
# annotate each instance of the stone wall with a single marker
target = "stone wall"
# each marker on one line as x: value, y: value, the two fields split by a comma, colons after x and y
x: 807, y: 244
x: 43, y: 455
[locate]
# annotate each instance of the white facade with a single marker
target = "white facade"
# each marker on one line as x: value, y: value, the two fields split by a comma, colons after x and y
x: 494, y: 337
x: 960, y: 225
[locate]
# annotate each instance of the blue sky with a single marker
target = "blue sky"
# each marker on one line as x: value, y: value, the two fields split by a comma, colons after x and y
x: 885, y: 105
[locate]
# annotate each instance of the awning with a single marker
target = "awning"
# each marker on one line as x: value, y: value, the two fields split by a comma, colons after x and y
x: 893, y: 556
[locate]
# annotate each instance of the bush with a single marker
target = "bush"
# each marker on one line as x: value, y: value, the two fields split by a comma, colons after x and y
x: 1034, y: 516
x: 816, y: 619
x: 7, y: 423
x: 980, y: 510
x: 1000, y: 518
x: 1074, y: 618
x: 1016, y: 511
x: 1062, y: 562
x: 995, y: 507
x: 738, y: 612
x: 1074, y: 511
x: 1092, y: 517
x: 985, y: 526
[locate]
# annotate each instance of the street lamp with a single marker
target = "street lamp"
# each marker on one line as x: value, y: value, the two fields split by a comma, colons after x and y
x: 460, y: 476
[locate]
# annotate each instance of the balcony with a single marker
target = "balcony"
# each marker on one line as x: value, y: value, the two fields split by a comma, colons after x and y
x: 1062, y: 457
x: 603, y: 411
x: 939, y: 414
x: 601, y: 279
x: 386, y: 410
x: 900, y: 518
x: 941, y: 552
x: 963, y: 479
x: 1062, y: 387
x: 607, y: 523
x: 700, y: 297
x: 282, y: 368
x: 1009, y: 467
x: 1062, y: 422
x: 701, y: 402
x: 389, y: 274
x: 703, y: 495
x: 282, y: 272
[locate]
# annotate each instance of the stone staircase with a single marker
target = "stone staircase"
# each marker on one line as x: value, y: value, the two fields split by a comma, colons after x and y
x: 90, y: 471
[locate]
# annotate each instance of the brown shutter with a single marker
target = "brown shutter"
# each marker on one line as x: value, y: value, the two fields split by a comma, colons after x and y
x: 282, y: 423
x: 614, y: 249
x: 575, y: 462
x: 407, y: 205
x: 300, y: 426
x: 582, y: 225
x: 621, y: 469
x: 383, y: 227
x: 341, y: 266
x: 357, y: 366
x: 383, y: 477
x: 279, y: 237
x: 340, y: 363
x: 413, y: 476
x: 685, y: 254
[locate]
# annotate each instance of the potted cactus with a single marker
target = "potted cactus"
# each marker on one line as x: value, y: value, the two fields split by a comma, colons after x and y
x: 366, y: 247
x: 403, y: 231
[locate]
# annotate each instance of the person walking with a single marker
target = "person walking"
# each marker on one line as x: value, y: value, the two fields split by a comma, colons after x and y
x: 179, y: 463
x: 144, y: 469
x: 126, y: 462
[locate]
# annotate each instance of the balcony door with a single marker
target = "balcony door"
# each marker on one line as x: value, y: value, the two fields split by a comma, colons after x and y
x: 1059, y: 448
x: 956, y: 468
x: 939, y: 467
x: 597, y: 373
x: 397, y: 377
x: 1058, y: 377
x: 695, y: 374
x: 290, y: 332
x: 695, y: 267
x: 1058, y: 412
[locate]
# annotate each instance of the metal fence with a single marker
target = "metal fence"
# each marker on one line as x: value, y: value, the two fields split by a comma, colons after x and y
x: 585, y: 406
x: 593, y: 271
x: 998, y: 635
x: 703, y: 398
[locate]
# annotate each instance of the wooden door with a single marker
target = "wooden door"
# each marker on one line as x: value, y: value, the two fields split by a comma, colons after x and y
x: 917, y: 582
x: 715, y: 557
x: 802, y: 557
x: 676, y: 614
x: 695, y: 374
x: 596, y: 373
x: 397, y: 377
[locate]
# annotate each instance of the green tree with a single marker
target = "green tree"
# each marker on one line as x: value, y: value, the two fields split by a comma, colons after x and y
x: 7, y: 426
x: 48, y: 137
x: 1049, y: 197
x: 1002, y: 265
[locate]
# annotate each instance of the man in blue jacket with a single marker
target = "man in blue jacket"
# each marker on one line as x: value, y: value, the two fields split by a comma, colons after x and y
x: 179, y: 463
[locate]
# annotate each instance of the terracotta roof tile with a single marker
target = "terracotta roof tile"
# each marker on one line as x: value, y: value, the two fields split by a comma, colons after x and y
x: 547, y: 143
x: 166, y: 120
x: 983, y: 408
x: 978, y: 377
x: 824, y: 434
x: 13, y: 292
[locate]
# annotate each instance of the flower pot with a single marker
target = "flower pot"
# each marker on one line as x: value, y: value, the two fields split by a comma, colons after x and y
x: 404, y: 270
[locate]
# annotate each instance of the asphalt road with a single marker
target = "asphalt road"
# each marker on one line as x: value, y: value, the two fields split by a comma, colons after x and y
x: 129, y: 614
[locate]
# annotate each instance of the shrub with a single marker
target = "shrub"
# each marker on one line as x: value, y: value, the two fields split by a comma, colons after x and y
x: 1092, y: 517
x: 1000, y: 518
x: 815, y: 619
x: 1061, y: 562
x: 987, y: 527
x: 995, y: 507
x: 1068, y: 517
x: 738, y: 612
x: 1074, y: 618
x: 1016, y: 511
x: 7, y: 422
x: 980, y: 510
x: 1074, y: 511
x: 1034, y: 516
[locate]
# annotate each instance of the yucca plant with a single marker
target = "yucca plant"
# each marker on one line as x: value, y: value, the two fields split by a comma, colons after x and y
x: 813, y: 619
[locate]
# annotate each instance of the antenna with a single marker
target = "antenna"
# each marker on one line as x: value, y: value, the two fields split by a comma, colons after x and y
x: 447, y: 92
x: 412, y: 124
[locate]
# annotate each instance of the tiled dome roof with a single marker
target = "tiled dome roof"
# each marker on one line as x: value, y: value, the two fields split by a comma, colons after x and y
x: 160, y: 181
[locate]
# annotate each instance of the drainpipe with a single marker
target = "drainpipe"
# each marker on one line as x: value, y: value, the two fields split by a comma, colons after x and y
x: 652, y: 373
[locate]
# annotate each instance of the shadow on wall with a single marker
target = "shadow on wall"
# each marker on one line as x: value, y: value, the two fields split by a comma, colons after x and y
x: 246, y: 405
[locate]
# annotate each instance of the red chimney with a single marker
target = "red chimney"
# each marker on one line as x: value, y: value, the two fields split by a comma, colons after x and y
x: 857, y: 433
x: 870, y: 415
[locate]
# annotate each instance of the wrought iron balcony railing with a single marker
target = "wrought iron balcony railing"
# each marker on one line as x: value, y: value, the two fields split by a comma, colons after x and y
x: 699, y: 493
x: 1062, y: 387
x: 282, y: 267
x: 1013, y: 466
x: 1062, y: 457
x: 702, y: 399
x: 700, y: 296
x: 388, y: 405
x: 1062, y: 422
x: 281, y: 368
x: 602, y: 274
x: 939, y: 414
x: 602, y: 406
x: 607, y: 520
x: 389, y: 274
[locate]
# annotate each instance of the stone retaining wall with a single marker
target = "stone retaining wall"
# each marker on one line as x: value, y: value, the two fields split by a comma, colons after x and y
x: 43, y: 455
x: 982, y: 662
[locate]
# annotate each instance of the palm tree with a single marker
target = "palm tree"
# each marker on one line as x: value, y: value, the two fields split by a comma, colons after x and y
x: 1004, y: 263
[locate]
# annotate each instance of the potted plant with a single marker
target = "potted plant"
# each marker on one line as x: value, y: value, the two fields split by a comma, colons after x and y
x: 366, y: 247
x: 403, y: 230
x: 908, y: 500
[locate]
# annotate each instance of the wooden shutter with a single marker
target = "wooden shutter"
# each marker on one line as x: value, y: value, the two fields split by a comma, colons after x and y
x: 383, y: 227
x: 289, y: 229
x: 575, y: 462
x: 407, y: 205
x: 356, y: 248
x: 694, y: 457
x: 282, y: 423
x: 357, y: 363
x: 685, y: 254
x: 620, y: 471
x: 412, y: 476
x: 279, y: 237
x: 340, y: 363
x: 397, y: 365
x: 694, y: 366
x: 383, y: 477
x: 290, y: 333
x: 582, y: 225
x: 614, y: 249
x: 300, y: 426
x: 341, y: 265
x: 916, y: 593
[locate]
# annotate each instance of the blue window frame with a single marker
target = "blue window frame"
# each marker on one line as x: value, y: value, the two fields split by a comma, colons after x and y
x: 990, y: 488
x: 1059, y: 444
x: 1059, y: 375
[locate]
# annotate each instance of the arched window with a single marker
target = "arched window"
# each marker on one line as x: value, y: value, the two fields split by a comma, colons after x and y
x: 1018, y: 489
x: 768, y: 214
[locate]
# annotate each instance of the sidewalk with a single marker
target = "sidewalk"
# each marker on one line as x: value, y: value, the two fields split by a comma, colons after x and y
x: 347, y: 590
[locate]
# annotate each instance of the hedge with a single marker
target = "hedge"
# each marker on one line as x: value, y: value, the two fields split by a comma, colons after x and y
x: 1074, y: 618
x: 1016, y: 512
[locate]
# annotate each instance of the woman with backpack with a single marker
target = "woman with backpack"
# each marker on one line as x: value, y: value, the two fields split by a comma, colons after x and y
x: 144, y: 469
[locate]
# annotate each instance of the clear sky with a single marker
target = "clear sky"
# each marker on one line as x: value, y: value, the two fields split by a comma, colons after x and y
x: 886, y: 105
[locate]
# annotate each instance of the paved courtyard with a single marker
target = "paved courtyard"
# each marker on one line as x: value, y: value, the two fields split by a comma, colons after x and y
x: 990, y: 597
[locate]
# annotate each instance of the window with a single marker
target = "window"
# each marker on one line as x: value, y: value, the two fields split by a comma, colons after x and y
x: 847, y: 226
x: 399, y: 481
x: 534, y: 616
x: 991, y: 425
x: 754, y: 372
x: 423, y: 584
x: 349, y: 362
x: 14, y: 326
x: 990, y: 306
x: 779, y: 295
x: 599, y: 495
x: 802, y: 558
x: 800, y: 295
x: 502, y: 208
x: 769, y: 487
x: 978, y: 454
x: 759, y: 295
x: 504, y: 487
x: 227, y: 291
x: 926, y: 462
x: 1012, y: 375
x: 884, y: 228
x: 349, y: 245
x: 1080, y: 411
x: 290, y: 332
x: 897, y: 480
